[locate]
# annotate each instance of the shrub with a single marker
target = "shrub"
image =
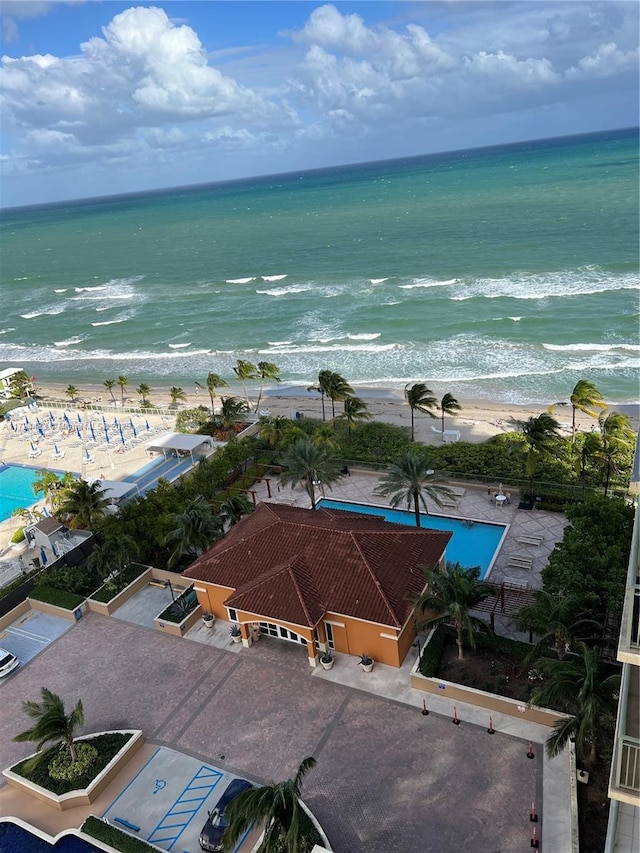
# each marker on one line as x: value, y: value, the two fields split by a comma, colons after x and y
x: 111, y: 588
x: 181, y: 607
x: 432, y: 652
x: 18, y: 536
x: 108, y: 746
x: 61, y: 766
x: 57, y: 597
x: 76, y: 579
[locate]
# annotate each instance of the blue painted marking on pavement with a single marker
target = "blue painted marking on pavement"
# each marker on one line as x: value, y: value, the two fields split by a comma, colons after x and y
x: 184, y: 809
x: 142, y: 769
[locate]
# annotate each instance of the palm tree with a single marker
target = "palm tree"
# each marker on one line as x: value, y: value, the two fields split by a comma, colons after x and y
x: 232, y: 411
x: 272, y: 429
x: 233, y: 509
x: 110, y: 384
x: 143, y: 391
x: 113, y: 556
x: 337, y: 389
x: 307, y: 465
x: 617, y: 438
x: 195, y: 530
x: 448, y: 406
x: 412, y: 479
x: 591, y: 450
x: 51, y: 724
x: 559, y: 620
x: 213, y: 383
x: 84, y: 504
x: 122, y: 382
x: 71, y: 392
x: 586, y: 398
x: 450, y: 595
x: 245, y: 371
x: 277, y: 806
x: 325, y: 438
x: 266, y: 370
x: 355, y: 411
x: 177, y: 396
x: 52, y: 486
x: 324, y: 381
x: 538, y: 433
x: 420, y: 399
x: 580, y: 686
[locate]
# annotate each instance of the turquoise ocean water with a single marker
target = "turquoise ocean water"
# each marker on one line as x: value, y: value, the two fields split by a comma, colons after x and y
x: 505, y: 273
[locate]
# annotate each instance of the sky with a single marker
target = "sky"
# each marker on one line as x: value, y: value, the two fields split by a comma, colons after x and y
x: 101, y: 98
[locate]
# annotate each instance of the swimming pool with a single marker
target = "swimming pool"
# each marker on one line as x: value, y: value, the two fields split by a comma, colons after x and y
x: 16, y: 488
x: 472, y: 544
x: 16, y: 839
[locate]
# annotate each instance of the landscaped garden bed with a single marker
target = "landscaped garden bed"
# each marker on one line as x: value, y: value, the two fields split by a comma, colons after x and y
x: 57, y: 597
x: 113, y: 587
x: 115, y: 837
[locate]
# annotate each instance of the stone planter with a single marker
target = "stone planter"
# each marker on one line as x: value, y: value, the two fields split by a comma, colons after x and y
x: 366, y: 664
x: 326, y: 664
x: 236, y: 638
x: 208, y: 620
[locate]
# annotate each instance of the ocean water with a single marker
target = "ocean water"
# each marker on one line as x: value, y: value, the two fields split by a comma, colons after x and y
x: 504, y: 273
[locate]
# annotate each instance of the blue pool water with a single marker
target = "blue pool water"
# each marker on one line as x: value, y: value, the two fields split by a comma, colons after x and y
x: 15, y: 839
x: 472, y: 544
x: 16, y: 488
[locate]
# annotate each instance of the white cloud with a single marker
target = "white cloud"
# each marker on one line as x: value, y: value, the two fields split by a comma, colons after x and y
x: 606, y: 61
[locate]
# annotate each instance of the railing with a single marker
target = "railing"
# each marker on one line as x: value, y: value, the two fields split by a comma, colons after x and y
x: 105, y: 407
x: 629, y: 763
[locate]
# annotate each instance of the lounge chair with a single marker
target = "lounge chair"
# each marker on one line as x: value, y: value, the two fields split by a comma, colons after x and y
x: 58, y: 455
x: 520, y: 561
x: 527, y: 539
x: 35, y: 452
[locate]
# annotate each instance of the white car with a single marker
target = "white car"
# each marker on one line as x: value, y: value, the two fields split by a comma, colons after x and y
x: 8, y: 662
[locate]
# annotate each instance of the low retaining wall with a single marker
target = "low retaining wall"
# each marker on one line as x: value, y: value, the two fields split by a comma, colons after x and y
x: 481, y: 699
x: 85, y: 796
x: 109, y: 607
x: 178, y: 629
x: 53, y: 610
x: 14, y: 614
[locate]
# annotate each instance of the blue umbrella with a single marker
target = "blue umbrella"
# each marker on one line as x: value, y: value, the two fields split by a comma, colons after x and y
x: 55, y: 450
x: 13, y: 426
x: 93, y: 435
x: 65, y: 418
x: 52, y: 420
x: 41, y: 431
x: 79, y: 434
x: 43, y: 557
x: 106, y: 436
x: 116, y: 422
x: 122, y: 435
x: 133, y: 430
x: 33, y: 447
x: 38, y: 424
x: 146, y: 426
x: 79, y: 418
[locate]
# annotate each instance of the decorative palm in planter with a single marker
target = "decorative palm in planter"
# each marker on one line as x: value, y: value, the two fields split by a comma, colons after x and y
x: 326, y: 660
x: 208, y: 619
x: 236, y: 633
x: 366, y: 663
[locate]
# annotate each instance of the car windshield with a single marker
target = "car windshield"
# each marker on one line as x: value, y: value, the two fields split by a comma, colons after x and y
x: 5, y: 660
x: 218, y: 820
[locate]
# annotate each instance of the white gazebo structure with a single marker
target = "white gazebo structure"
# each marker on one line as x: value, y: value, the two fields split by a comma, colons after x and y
x: 181, y: 444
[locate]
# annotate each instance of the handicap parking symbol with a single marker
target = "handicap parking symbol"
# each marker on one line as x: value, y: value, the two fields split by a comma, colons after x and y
x: 160, y: 784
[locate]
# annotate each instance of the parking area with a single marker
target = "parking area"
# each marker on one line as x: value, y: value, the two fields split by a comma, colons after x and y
x: 31, y: 634
x: 167, y: 802
x: 144, y: 606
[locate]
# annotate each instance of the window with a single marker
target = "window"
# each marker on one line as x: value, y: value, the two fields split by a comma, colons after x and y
x: 329, y: 629
x: 233, y: 614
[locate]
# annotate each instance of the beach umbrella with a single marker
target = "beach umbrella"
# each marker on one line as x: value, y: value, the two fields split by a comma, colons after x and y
x: 33, y: 447
x: 78, y: 433
x: 65, y: 418
x: 116, y: 422
x: 52, y: 420
x: 133, y: 430
x: 45, y: 511
x: 41, y: 431
x: 122, y: 435
x: 55, y: 450
x: 13, y: 426
x: 38, y: 424
x: 146, y: 426
x: 106, y: 436
x: 93, y: 435
x: 43, y: 556
x: 79, y: 418
x: 87, y: 455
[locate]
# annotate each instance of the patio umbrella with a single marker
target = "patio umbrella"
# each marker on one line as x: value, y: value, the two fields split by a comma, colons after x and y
x: 33, y: 447
x: 78, y: 433
x: 13, y: 426
x: 146, y: 426
x: 87, y: 455
x: 65, y: 418
x: 79, y: 418
x: 52, y: 420
x: 38, y: 424
x: 121, y: 435
x: 55, y: 450
x: 93, y: 435
x: 41, y: 431
x: 133, y: 430
x: 43, y: 556
x: 106, y: 435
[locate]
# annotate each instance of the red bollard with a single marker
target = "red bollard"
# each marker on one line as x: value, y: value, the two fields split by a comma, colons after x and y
x: 530, y: 752
x: 455, y: 721
x: 424, y: 708
x: 491, y: 730
x: 534, y: 838
x: 533, y: 817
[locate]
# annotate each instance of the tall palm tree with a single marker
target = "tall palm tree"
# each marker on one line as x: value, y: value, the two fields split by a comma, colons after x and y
x: 538, y: 433
x: 52, y: 725
x: 580, y: 686
x: 449, y: 596
x: 559, y: 620
x: 617, y: 436
x: 52, y: 486
x: 337, y: 390
x: 177, y: 395
x: 324, y: 381
x: 272, y: 429
x: 122, y: 382
x: 355, y: 411
x: 448, y: 406
x: 143, y: 392
x: 277, y: 806
x: 307, y: 465
x: 266, y: 370
x: 591, y: 450
x: 214, y: 381
x: 83, y: 504
x: 232, y: 411
x: 420, y: 399
x: 411, y: 479
x: 325, y: 438
x: 245, y: 371
x: 110, y: 384
x: 195, y: 530
x: 586, y: 398
x: 71, y: 392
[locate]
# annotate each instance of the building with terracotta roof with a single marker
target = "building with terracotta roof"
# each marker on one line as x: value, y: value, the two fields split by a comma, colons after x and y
x: 324, y: 578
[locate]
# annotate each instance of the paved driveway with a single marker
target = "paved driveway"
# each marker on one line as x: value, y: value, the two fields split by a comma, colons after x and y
x: 30, y: 634
x: 387, y: 779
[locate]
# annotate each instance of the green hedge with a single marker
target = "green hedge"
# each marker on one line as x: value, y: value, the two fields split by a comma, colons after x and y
x: 114, y: 837
x: 50, y: 595
x: 431, y: 654
x: 108, y: 747
x: 110, y: 589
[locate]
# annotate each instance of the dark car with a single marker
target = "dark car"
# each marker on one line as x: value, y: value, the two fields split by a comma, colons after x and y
x: 211, y: 834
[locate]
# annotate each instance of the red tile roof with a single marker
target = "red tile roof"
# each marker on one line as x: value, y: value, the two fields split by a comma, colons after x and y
x: 293, y: 565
